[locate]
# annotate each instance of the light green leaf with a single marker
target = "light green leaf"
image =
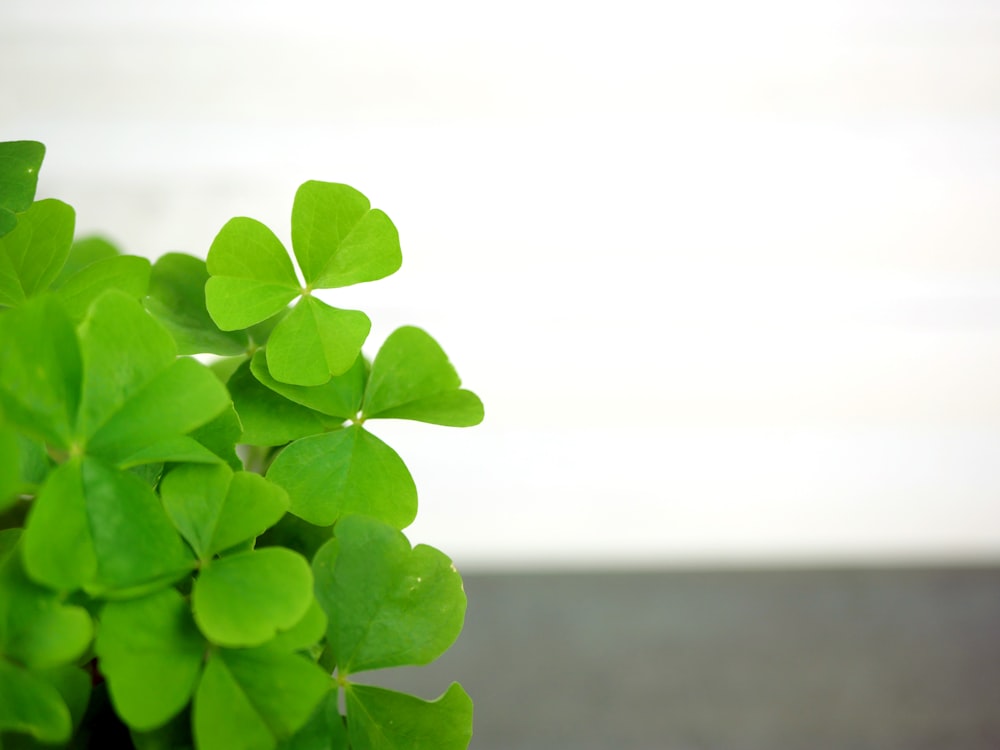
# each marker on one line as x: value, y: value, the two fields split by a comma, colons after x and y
x: 19, y: 165
x: 345, y: 471
x: 387, y: 605
x: 339, y: 239
x: 36, y: 628
x: 339, y: 397
x: 214, y: 508
x: 245, y: 599
x: 103, y: 530
x: 237, y: 705
x: 82, y: 253
x: 252, y: 277
x: 177, y: 449
x: 11, y: 482
x: 221, y: 435
x: 31, y: 704
x: 379, y: 719
x: 267, y: 418
x: 177, y: 300
x: 411, y: 378
x: 314, y: 342
x: 325, y: 729
x: 126, y: 273
x: 151, y: 654
x: 40, y: 371
x: 304, y: 634
x: 35, y: 249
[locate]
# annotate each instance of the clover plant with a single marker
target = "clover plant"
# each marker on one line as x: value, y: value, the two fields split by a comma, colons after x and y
x: 207, y: 551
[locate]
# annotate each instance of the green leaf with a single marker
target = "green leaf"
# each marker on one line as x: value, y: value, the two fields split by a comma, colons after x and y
x: 40, y: 371
x: 267, y: 418
x: 339, y: 239
x: 221, y: 435
x: 252, y: 277
x: 101, y: 529
x: 345, y: 471
x: 339, y: 397
x: 19, y: 165
x: 31, y: 704
x: 34, y: 251
x: 296, y: 534
x: 214, y: 508
x: 177, y: 300
x: 314, y: 342
x: 36, y: 628
x: 379, y: 719
x: 151, y: 654
x: 176, y: 449
x: 126, y: 273
x: 82, y: 253
x: 237, y: 705
x: 411, y: 378
x: 11, y: 482
x: 304, y: 634
x: 325, y: 729
x: 387, y: 605
x: 246, y: 598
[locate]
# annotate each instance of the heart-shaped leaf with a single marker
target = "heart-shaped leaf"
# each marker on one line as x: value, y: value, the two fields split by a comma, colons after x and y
x: 36, y: 628
x: 236, y: 705
x: 345, y: 471
x: 151, y: 654
x: 126, y: 273
x: 34, y: 251
x: 379, y: 719
x: 387, y: 605
x: 252, y: 277
x: 246, y: 598
x: 215, y: 508
x: 411, y: 378
x: 339, y: 239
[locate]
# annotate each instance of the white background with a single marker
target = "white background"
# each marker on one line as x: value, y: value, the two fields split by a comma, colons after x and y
x: 726, y: 274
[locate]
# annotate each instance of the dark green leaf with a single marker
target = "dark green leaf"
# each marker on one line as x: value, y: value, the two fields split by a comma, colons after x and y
x: 411, y: 378
x: 237, y: 705
x: 252, y: 277
x: 296, y: 534
x: 379, y: 719
x: 325, y: 729
x: 345, y: 471
x: 214, y: 508
x: 40, y: 371
x: 177, y: 300
x: 126, y: 273
x: 35, y: 250
x: 19, y: 165
x: 31, y: 704
x: 339, y: 239
x: 339, y: 397
x: 387, y: 605
x: 267, y: 418
x: 151, y: 654
x: 314, y: 342
x: 246, y: 598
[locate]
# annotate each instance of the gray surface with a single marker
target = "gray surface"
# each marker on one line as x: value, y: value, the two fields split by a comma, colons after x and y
x: 728, y: 660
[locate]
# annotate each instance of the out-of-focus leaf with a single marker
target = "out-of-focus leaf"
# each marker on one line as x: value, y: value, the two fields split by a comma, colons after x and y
x: 34, y: 251
x: 126, y: 273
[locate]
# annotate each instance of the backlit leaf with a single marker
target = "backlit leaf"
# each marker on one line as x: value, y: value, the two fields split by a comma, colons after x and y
x: 339, y: 239
x: 246, y: 598
x: 387, y: 605
x: 345, y: 471
x: 314, y: 342
x: 252, y: 277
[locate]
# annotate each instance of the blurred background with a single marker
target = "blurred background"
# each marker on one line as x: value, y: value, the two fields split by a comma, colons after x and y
x: 726, y: 276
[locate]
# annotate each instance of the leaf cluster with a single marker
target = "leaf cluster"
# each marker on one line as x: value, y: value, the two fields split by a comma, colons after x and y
x: 200, y: 538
